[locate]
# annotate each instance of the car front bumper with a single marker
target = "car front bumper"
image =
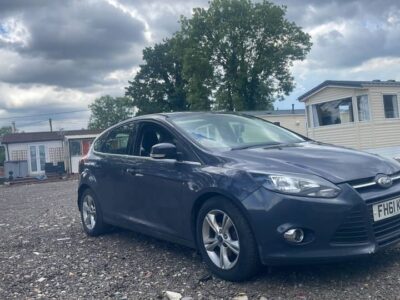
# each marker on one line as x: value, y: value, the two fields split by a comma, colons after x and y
x: 335, y: 229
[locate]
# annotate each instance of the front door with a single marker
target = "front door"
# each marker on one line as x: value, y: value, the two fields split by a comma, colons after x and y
x: 153, y: 193
x: 37, y: 156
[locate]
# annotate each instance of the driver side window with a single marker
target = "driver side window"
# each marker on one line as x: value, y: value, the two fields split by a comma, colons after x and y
x: 152, y: 134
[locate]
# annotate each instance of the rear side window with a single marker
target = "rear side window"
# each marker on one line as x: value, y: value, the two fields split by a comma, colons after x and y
x: 99, y: 142
x: 118, y: 140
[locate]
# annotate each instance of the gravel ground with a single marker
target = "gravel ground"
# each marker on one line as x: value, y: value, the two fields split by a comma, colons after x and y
x: 45, y: 254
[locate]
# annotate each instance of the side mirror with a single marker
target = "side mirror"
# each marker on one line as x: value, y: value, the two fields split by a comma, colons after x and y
x: 164, y: 151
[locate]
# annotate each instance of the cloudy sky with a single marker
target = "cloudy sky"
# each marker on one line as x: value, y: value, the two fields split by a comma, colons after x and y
x: 58, y: 56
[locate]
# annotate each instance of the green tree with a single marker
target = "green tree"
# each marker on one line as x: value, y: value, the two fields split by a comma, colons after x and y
x: 235, y: 55
x: 159, y: 85
x: 198, y: 73
x: 3, y: 130
x: 107, y: 111
x: 250, y: 48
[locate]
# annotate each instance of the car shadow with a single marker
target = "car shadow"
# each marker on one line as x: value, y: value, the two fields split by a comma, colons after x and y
x: 135, y: 238
x: 343, y: 273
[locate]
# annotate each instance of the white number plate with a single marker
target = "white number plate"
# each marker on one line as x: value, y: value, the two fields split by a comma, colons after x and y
x: 386, y: 209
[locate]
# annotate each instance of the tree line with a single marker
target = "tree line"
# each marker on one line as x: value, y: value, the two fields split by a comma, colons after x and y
x: 234, y: 55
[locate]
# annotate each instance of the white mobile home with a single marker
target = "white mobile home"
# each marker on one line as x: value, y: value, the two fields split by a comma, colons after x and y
x: 292, y: 119
x: 358, y: 114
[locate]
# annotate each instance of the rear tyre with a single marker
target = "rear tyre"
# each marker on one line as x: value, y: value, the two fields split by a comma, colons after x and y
x: 91, y: 214
x: 225, y: 240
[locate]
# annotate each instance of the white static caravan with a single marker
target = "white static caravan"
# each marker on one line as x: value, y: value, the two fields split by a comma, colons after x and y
x: 34, y: 149
x: 363, y: 115
x: 292, y: 119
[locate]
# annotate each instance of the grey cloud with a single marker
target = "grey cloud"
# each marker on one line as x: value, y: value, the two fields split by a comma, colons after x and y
x: 163, y: 16
x: 8, y: 7
x: 368, y: 33
x: 50, y: 72
x: 77, y: 44
x: 165, y: 26
x: 44, y: 112
x: 38, y: 115
x: 67, y: 73
x: 40, y: 119
x: 87, y: 38
x: 72, y: 43
x: 315, y: 12
x: 336, y: 50
x: 80, y: 30
x: 329, y: 38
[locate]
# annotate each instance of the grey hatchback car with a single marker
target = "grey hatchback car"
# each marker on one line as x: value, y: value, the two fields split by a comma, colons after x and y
x: 241, y: 190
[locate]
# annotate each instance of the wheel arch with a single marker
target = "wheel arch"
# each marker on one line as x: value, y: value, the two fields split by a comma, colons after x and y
x: 201, y: 199
x: 82, y: 188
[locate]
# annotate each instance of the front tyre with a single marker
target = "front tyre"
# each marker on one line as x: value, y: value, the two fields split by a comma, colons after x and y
x: 91, y: 214
x: 225, y: 240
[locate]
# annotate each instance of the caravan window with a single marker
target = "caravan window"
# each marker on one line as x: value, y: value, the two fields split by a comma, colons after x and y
x: 363, y: 108
x: 391, y: 106
x: 333, y: 112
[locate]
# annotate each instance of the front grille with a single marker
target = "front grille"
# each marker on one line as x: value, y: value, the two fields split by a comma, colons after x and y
x: 386, y: 231
x: 369, y: 184
x: 353, y: 229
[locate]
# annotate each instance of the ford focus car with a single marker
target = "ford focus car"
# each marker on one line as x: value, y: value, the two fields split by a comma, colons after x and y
x: 241, y: 190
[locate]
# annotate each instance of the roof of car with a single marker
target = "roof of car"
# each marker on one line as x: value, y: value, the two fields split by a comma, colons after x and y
x: 175, y: 114
x: 251, y: 113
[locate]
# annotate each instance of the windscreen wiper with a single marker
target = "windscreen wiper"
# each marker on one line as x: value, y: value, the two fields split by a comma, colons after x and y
x: 256, y: 145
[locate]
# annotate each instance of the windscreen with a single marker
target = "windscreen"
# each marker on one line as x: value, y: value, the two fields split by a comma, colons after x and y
x: 230, y: 132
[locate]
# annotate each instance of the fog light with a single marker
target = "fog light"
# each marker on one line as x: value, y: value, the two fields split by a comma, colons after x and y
x: 295, y: 235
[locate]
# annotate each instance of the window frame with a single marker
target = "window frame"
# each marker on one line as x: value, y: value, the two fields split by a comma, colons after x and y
x: 315, y: 113
x: 309, y: 116
x: 398, y: 106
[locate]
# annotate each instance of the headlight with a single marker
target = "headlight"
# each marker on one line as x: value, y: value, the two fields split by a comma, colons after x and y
x: 299, y: 184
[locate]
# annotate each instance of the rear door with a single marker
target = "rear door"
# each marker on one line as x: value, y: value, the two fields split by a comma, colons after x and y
x: 113, y: 166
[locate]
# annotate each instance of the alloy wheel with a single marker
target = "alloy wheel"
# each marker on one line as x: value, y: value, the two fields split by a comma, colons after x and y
x: 89, y: 212
x: 220, y: 239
